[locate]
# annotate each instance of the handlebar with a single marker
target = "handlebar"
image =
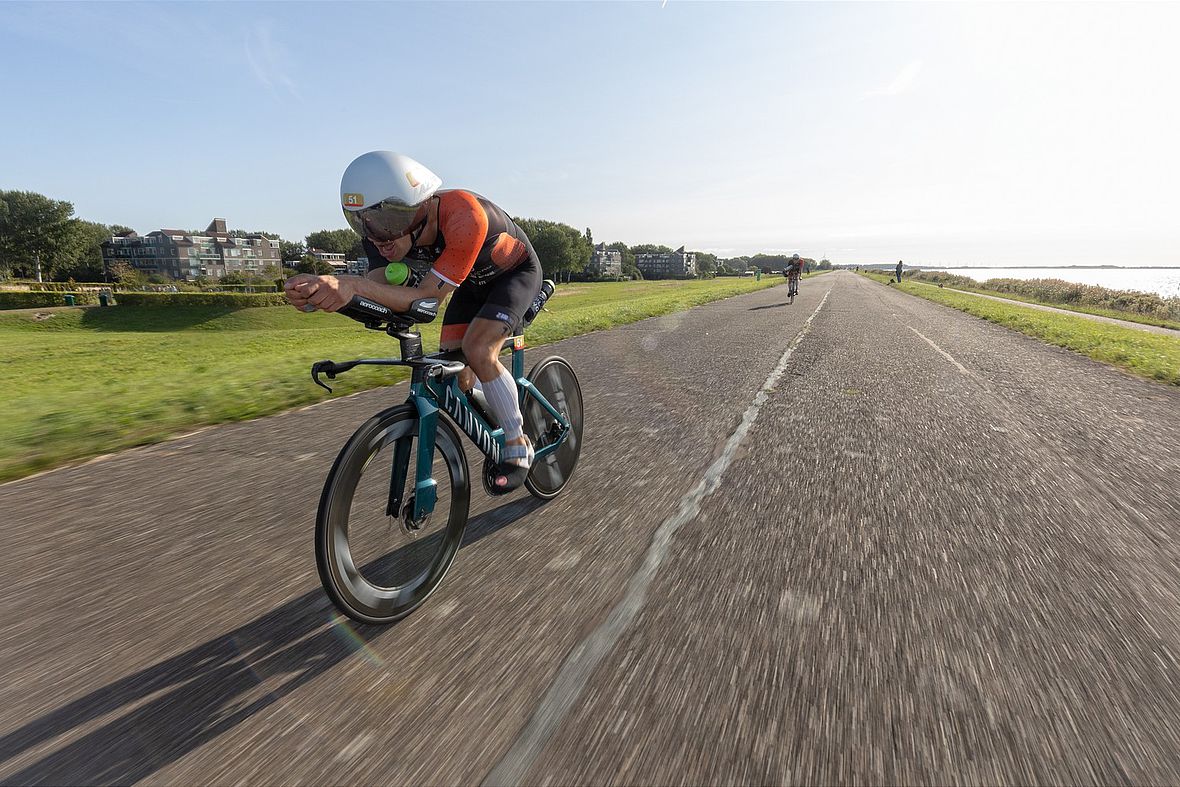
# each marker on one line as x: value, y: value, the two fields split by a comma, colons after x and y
x: 378, y: 316
x: 440, y: 365
x: 375, y: 315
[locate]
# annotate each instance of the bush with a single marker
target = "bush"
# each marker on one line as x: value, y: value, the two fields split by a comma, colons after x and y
x: 938, y: 277
x: 41, y: 300
x: 61, y: 286
x: 268, y: 287
x: 225, y: 300
x: 1070, y: 293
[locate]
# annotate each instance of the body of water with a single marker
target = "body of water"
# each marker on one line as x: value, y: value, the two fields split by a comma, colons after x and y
x: 1164, y: 282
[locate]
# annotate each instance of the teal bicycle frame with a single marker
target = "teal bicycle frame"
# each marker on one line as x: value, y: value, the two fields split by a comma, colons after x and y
x: 431, y: 391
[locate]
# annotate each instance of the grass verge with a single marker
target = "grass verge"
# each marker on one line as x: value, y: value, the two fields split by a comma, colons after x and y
x: 1149, y: 355
x: 90, y: 381
x: 1127, y: 316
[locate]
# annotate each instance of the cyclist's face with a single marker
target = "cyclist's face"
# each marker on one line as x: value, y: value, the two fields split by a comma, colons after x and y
x: 398, y: 247
x: 394, y: 249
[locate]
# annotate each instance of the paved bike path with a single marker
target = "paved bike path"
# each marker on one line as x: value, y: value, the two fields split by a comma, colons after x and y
x: 942, y: 590
x: 164, y: 621
x: 948, y: 557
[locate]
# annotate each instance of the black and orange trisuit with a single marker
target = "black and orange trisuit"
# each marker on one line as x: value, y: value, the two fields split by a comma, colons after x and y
x: 479, y: 250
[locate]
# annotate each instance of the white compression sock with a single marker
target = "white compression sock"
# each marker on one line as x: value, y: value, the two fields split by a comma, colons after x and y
x: 500, y: 393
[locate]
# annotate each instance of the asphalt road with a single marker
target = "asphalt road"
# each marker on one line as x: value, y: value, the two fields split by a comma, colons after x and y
x: 882, y: 542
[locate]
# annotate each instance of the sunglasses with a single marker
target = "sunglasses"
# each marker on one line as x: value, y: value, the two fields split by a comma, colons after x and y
x: 385, y: 223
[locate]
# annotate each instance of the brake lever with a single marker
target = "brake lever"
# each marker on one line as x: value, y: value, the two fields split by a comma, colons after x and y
x: 330, y: 369
x: 325, y: 367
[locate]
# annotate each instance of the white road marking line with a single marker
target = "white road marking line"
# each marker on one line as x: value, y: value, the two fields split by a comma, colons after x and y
x: 350, y: 751
x: 575, y: 672
x: 942, y: 352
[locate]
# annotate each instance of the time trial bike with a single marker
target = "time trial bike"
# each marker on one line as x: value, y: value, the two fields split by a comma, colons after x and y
x: 382, y: 549
x: 792, y: 282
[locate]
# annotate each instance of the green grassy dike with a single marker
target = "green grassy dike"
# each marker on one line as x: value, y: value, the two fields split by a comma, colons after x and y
x: 1142, y: 319
x: 1146, y: 354
x: 91, y: 381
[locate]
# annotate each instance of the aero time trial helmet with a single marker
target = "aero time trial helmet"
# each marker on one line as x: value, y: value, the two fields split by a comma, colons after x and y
x: 383, y: 193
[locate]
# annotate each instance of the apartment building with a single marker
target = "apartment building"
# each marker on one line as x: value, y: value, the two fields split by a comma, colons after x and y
x: 605, y: 262
x: 184, y: 255
x: 335, y: 259
x: 679, y: 264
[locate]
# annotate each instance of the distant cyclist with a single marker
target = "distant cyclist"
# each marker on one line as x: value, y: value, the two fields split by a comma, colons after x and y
x: 794, y: 271
x: 457, y: 242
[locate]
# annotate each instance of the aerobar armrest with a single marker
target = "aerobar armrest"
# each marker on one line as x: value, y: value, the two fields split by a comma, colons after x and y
x: 423, y: 310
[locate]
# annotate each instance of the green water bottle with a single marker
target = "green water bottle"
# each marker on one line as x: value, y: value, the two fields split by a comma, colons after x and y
x: 400, y: 275
x: 396, y: 273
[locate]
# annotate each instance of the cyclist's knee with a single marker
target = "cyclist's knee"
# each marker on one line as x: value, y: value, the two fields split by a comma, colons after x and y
x: 481, y: 356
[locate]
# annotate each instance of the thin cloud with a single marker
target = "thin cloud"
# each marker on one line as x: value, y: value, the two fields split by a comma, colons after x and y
x: 268, y: 61
x: 902, y: 82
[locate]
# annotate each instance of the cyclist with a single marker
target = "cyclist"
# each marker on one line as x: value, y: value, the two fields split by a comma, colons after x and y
x: 458, y: 242
x: 793, y: 271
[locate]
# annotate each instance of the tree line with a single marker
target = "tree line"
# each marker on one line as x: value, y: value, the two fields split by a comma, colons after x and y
x: 38, y: 230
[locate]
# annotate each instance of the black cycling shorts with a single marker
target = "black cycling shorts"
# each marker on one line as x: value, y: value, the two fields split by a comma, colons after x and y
x: 504, y: 299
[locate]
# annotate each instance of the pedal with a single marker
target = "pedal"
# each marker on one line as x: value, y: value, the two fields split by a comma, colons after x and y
x: 488, y: 475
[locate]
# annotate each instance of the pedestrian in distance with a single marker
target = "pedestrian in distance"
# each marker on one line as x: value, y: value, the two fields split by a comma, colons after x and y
x: 899, y: 271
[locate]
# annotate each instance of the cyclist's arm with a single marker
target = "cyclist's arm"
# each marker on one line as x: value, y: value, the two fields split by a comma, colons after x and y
x: 332, y: 293
x: 464, y: 224
x: 375, y: 287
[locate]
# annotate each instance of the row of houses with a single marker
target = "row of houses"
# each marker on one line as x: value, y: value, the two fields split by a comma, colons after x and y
x: 606, y: 262
x: 185, y: 255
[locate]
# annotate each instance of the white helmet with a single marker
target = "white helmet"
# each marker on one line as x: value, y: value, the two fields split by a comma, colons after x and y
x: 383, y: 192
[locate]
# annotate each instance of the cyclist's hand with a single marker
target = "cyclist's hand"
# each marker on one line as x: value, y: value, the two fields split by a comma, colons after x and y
x: 298, y: 288
x: 328, y: 293
x: 333, y: 293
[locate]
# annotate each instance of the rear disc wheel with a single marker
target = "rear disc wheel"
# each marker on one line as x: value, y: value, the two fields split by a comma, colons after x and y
x: 554, y: 379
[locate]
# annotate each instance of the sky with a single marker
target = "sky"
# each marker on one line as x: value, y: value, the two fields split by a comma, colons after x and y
x: 942, y: 134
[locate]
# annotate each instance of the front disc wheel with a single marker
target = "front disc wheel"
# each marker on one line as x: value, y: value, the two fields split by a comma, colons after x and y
x: 378, y: 565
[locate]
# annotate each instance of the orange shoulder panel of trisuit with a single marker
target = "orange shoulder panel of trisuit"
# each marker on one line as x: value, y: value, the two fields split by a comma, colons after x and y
x: 507, y: 252
x: 464, y: 225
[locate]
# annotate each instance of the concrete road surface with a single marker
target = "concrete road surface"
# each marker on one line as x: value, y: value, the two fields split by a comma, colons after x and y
x: 861, y: 538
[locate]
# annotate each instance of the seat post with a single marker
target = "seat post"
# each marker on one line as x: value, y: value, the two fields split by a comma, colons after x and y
x: 411, y: 344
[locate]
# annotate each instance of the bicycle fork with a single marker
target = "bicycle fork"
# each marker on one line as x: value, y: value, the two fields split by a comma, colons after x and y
x: 425, y: 493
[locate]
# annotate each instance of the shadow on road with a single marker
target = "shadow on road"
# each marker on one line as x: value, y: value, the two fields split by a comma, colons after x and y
x: 769, y: 306
x: 184, y: 702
